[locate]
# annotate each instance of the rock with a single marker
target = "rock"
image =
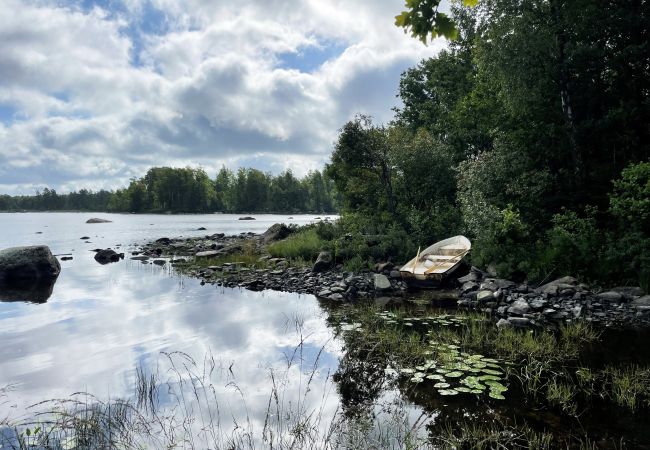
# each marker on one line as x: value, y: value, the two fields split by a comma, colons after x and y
x: 83, y: 238
x: 503, y: 323
x: 66, y: 258
x: 159, y: 262
x: 538, y: 303
x: 276, y: 232
x: 31, y: 264
x: 520, y: 322
x: 108, y: 256
x: 610, y: 297
x: 380, y: 267
x: 247, y: 218
x: 208, y: 254
x: 163, y: 241
x: 381, y: 282
x: 468, y: 286
x: 519, y: 307
x: 140, y: 258
x: 485, y: 296
x: 394, y: 274
x: 489, y: 285
x: 472, y: 276
x: 97, y: 220
x: 555, y: 286
x: 628, y: 291
x: 642, y: 301
x: 323, y: 262
x: 201, y: 229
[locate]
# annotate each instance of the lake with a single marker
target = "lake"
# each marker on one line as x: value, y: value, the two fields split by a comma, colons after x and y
x: 203, y: 366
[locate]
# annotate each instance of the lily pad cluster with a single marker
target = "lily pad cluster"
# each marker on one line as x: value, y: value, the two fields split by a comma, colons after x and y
x: 428, y: 321
x: 456, y: 372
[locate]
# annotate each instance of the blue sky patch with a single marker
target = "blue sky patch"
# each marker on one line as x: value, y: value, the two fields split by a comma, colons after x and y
x: 309, y: 59
x: 7, y: 113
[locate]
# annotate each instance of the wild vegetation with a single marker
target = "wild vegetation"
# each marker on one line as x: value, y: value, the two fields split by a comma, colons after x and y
x: 528, y: 134
x: 188, y: 190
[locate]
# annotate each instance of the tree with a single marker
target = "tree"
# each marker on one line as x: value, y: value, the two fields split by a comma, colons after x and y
x: 424, y: 20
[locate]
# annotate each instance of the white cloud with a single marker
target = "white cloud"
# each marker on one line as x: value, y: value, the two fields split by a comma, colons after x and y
x: 97, y: 100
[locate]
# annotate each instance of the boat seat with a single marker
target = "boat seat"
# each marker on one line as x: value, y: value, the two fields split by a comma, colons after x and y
x: 452, y: 249
x: 439, y: 257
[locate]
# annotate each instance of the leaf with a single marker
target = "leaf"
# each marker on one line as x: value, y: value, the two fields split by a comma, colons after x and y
x: 470, y: 3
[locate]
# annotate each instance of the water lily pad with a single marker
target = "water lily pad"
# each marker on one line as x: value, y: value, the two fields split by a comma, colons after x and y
x: 454, y: 374
x: 435, y: 376
x: 492, y: 372
x: 407, y: 371
x: 419, y: 374
x: 417, y: 380
x: 448, y: 392
x: 464, y: 389
x: 496, y: 386
x: 441, y: 385
x: 496, y: 395
x: 442, y: 371
x: 489, y: 378
x: 389, y: 371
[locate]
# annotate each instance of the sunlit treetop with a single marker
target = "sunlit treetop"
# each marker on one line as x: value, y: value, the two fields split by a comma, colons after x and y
x: 423, y: 19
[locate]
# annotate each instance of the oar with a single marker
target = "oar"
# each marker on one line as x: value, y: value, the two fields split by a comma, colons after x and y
x: 415, y: 263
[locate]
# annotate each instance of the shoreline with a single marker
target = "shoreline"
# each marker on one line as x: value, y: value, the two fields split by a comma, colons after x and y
x: 242, y: 261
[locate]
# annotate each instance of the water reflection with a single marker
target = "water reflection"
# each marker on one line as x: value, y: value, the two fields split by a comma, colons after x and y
x: 26, y: 291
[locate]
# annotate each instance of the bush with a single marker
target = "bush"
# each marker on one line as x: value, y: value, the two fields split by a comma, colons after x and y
x: 573, y: 246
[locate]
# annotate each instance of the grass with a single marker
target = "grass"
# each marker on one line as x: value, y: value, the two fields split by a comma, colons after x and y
x: 629, y: 386
x: 495, y: 435
x: 304, y: 244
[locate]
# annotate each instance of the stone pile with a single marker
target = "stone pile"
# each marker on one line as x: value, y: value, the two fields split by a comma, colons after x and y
x: 561, y: 300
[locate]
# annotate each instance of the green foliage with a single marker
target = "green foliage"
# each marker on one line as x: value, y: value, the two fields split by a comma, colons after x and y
x: 423, y: 19
x: 630, y: 200
x: 572, y: 245
x: 304, y: 244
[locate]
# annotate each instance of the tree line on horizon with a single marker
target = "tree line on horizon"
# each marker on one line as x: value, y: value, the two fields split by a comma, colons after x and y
x: 191, y: 190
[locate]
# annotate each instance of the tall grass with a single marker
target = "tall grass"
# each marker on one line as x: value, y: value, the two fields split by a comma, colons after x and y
x: 305, y: 244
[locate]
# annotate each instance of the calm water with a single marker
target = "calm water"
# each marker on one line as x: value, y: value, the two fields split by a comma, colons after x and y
x: 103, y: 322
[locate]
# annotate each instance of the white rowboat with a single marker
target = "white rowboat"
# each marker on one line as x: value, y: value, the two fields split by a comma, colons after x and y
x: 437, y: 261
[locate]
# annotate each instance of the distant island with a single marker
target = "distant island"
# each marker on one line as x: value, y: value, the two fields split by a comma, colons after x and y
x: 190, y: 190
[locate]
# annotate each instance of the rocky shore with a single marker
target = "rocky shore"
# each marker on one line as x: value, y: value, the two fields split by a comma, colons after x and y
x: 561, y: 300
x: 510, y: 304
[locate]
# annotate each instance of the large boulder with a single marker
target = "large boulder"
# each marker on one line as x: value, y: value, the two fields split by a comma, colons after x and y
x: 276, y: 232
x: 97, y: 220
x: 108, y: 256
x: 30, y: 264
x: 323, y: 262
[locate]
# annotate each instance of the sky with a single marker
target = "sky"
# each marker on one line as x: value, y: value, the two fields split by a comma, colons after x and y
x: 94, y: 92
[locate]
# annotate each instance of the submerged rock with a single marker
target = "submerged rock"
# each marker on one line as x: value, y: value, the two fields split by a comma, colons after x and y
x: 98, y: 220
x: 247, y: 218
